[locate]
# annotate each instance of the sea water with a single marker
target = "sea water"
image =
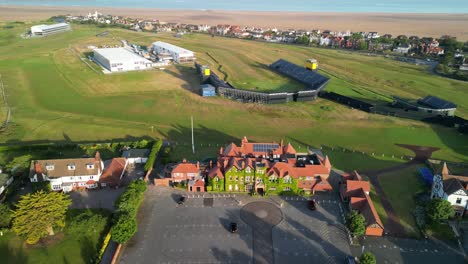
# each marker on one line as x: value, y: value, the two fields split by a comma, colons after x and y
x: 389, y: 6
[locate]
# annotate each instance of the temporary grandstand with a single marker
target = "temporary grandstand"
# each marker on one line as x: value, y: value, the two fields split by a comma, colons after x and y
x: 179, y: 55
x: 430, y: 104
x: 225, y: 89
x: 313, y: 80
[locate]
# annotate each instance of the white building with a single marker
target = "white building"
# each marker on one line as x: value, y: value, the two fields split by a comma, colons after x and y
x: 136, y: 156
x: 45, y: 30
x: 68, y: 174
x: 452, y: 188
x: 120, y: 59
x: 179, y: 55
x: 402, y: 49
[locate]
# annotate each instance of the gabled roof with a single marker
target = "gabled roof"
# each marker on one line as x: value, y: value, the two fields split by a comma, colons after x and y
x: 60, y: 167
x: 445, y: 170
x: 289, y: 149
x: 365, y: 206
x: 355, y: 185
x: 185, y: 167
x: 453, y: 185
x: 112, y: 173
x: 136, y: 153
x: 231, y: 150
x: 215, y: 171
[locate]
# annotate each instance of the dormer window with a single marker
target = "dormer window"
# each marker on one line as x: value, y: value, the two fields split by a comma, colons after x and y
x: 90, y: 166
x: 50, y: 167
x: 71, y: 166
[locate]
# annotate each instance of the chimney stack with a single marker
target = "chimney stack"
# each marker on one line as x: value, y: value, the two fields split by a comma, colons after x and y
x: 198, y: 165
x: 37, y: 167
x: 97, y: 157
x: 211, y: 164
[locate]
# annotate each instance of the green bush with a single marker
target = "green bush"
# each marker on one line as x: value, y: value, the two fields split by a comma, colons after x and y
x: 6, y: 215
x: 124, y: 229
x: 367, y: 258
x: 438, y: 209
x: 85, y: 223
x: 153, y: 155
x: 356, y: 223
x: 209, y: 188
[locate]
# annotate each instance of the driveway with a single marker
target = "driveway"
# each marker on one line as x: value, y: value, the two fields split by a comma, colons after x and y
x: 98, y: 198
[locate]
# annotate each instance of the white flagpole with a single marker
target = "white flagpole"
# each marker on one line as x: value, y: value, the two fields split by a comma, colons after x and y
x: 193, y: 142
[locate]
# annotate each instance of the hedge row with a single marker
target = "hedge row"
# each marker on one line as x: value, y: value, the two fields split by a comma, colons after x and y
x: 125, y: 223
x: 153, y: 154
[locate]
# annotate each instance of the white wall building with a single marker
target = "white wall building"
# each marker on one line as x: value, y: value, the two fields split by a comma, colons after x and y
x: 179, y: 55
x: 45, y: 30
x: 68, y: 174
x: 138, y: 156
x: 120, y: 59
x: 452, y: 189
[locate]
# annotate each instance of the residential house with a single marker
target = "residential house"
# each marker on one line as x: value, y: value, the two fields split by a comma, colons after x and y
x: 355, y: 191
x: 222, y: 29
x: 185, y: 171
x: 136, y: 156
x: 325, y: 40
x: 402, y: 49
x: 113, y: 173
x: 452, y: 188
x: 372, y: 35
x: 68, y: 174
x: 268, y: 168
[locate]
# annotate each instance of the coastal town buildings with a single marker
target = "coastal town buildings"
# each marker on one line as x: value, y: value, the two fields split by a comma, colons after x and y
x: 178, y: 54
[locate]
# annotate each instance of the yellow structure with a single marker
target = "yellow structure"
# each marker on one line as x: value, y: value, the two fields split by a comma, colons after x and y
x: 312, y: 64
x: 207, y: 72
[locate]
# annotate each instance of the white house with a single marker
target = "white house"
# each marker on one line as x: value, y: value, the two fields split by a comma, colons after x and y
x: 120, y: 59
x: 179, y: 55
x: 452, y: 188
x: 136, y: 156
x: 68, y: 174
x: 325, y: 41
x: 44, y: 30
x: 402, y: 49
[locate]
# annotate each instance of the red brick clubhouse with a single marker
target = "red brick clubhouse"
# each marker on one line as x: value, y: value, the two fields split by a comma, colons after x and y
x: 259, y: 168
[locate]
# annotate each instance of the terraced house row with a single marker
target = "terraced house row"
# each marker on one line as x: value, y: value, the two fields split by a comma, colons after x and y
x: 258, y: 168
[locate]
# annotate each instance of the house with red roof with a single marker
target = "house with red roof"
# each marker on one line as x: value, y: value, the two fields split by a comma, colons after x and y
x: 355, y: 191
x: 113, y: 173
x: 190, y: 174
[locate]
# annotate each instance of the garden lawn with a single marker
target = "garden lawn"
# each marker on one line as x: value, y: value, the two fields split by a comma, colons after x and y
x: 68, y: 248
x: 400, y: 187
x: 55, y: 97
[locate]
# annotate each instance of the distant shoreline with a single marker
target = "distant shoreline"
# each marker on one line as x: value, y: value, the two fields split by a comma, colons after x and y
x: 420, y: 24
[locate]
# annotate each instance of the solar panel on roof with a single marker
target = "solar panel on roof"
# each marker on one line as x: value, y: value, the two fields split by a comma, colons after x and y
x: 264, y: 147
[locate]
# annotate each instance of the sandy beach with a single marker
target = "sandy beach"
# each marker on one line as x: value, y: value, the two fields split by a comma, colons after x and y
x: 431, y: 25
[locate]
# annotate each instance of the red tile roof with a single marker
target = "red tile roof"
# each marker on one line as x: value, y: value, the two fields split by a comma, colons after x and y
x: 215, y: 171
x: 366, y: 207
x: 113, y: 172
x: 185, y: 167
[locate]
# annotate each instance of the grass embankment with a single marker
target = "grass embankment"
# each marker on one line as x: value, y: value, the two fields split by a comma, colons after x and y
x: 76, y: 244
x: 56, y: 97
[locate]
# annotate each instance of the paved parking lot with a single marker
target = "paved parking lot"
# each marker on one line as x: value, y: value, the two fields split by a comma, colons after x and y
x: 311, y: 236
x: 197, y: 232
x: 398, y: 251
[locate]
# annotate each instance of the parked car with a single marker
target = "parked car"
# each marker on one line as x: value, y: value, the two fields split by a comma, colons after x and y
x: 182, y: 200
x: 233, y: 228
x: 350, y: 260
x: 311, y: 204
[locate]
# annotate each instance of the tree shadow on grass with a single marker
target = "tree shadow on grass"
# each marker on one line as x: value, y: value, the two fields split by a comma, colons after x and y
x: 88, y: 249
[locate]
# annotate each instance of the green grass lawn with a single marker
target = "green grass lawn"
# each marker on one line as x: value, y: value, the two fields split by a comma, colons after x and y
x: 400, y: 188
x: 62, y: 248
x: 56, y: 97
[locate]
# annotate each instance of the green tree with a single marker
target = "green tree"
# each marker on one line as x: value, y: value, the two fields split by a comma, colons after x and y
x: 438, y: 209
x: 303, y: 40
x: 357, y: 36
x: 19, y: 164
x: 363, y: 45
x: 5, y: 215
x: 356, y: 223
x: 153, y: 155
x: 124, y: 229
x: 367, y: 258
x: 37, y: 215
